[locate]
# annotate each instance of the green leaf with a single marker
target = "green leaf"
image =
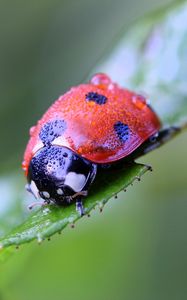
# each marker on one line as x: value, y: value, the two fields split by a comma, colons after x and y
x: 51, y: 219
x: 151, y: 56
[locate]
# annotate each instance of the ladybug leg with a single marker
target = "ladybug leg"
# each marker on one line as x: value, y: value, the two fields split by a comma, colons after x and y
x: 82, y: 193
x: 155, y: 141
x: 38, y: 203
x: 80, y: 207
x: 79, y: 204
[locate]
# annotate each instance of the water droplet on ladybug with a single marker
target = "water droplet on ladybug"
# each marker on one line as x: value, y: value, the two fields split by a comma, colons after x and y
x: 23, y: 165
x: 100, y: 79
x: 112, y: 87
x: 31, y: 130
x: 139, y: 101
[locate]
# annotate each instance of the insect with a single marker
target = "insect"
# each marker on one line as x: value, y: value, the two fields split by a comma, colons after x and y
x: 91, y: 126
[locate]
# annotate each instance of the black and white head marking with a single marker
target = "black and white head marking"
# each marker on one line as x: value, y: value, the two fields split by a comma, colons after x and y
x: 57, y: 173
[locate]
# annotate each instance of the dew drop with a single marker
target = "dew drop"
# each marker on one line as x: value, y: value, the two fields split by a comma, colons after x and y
x: 139, y: 101
x: 100, y: 78
x: 112, y: 87
x: 39, y: 239
x: 31, y: 130
x: 24, y: 167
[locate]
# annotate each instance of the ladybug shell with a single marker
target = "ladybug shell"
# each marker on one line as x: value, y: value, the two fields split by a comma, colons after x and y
x: 99, y: 121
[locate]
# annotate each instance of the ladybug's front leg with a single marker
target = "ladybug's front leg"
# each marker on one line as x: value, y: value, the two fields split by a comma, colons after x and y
x: 155, y: 141
x: 38, y: 203
x: 80, y: 207
x: 79, y: 204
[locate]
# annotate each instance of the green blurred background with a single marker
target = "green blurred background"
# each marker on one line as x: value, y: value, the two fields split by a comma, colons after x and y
x: 135, y: 249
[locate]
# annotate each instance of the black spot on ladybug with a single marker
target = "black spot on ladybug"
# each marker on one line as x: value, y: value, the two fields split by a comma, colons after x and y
x: 52, y: 130
x: 122, y: 131
x: 97, y: 98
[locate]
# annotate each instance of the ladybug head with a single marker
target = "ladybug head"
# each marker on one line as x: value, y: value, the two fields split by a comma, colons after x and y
x: 57, y: 174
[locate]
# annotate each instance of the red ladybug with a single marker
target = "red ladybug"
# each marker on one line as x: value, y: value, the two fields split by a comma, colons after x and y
x: 90, y: 126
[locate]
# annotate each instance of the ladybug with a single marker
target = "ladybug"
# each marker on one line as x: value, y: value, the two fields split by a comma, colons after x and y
x: 93, y: 125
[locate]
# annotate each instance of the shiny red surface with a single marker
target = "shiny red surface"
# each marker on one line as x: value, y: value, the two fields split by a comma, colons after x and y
x: 90, y: 126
